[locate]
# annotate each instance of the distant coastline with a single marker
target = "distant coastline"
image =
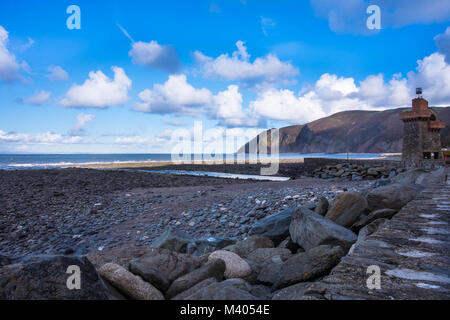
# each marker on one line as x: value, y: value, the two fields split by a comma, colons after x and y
x: 117, y: 161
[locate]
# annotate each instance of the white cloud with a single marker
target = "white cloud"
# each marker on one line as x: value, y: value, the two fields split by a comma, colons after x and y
x: 99, y: 91
x: 229, y: 111
x: 174, y: 96
x: 37, y: 138
x: 39, y: 99
x: 10, y: 68
x: 56, y: 73
x: 443, y: 43
x: 83, y: 119
x: 331, y: 93
x: 268, y: 70
x: 151, y: 54
x: 350, y: 16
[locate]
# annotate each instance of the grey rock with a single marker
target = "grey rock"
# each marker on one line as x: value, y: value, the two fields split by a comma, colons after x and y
x: 377, y: 214
x: 210, y: 244
x: 275, y: 226
x: 322, y: 206
x: 212, y: 269
x: 172, y: 239
x: 295, y: 292
x: 45, y: 278
x: 346, y: 208
x: 263, y: 256
x: 308, y: 265
x: 226, y: 290
x: 245, y: 247
x: 270, y: 273
x: 163, y: 268
x: 309, y: 230
x: 393, y: 196
x: 290, y: 245
x: 205, y: 283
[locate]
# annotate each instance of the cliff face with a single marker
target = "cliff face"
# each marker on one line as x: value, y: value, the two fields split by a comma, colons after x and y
x: 352, y: 131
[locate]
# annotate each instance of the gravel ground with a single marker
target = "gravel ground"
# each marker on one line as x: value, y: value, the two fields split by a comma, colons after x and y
x: 79, y: 210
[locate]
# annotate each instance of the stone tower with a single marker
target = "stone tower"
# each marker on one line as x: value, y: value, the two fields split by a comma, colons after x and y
x: 421, y: 135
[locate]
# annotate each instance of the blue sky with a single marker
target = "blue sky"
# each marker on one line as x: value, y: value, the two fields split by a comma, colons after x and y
x: 137, y: 71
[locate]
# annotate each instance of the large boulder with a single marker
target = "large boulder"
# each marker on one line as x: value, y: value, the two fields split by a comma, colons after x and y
x: 127, y: 283
x: 172, y: 239
x: 46, y: 277
x: 232, y: 289
x: 264, y: 256
x: 236, y: 267
x: 346, y: 208
x: 393, y: 196
x: 377, y: 214
x: 309, y: 230
x: 245, y: 247
x: 275, y: 226
x: 213, y: 269
x: 164, y: 267
x: 308, y: 265
x: 270, y: 273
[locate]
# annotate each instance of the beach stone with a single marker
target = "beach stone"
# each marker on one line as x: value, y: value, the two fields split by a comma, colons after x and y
x: 261, y: 292
x: 203, y: 284
x: 5, y: 260
x: 322, y: 206
x: 264, y: 256
x: 45, y: 278
x: 346, y: 208
x: 232, y: 289
x: 127, y: 283
x: 295, y: 292
x: 274, y: 227
x: 374, y: 215
x: 393, y: 196
x: 245, y: 247
x: 212, y: 269
x: 309, y: 230
x: 163, y: 268
x: 236, y: 267
x: 307, y: 265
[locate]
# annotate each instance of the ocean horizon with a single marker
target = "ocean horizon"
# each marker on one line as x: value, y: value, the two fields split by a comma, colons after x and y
x: 43, y: 161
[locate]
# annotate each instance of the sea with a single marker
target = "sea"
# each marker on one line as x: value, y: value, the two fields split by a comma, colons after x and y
x: 45, y: 161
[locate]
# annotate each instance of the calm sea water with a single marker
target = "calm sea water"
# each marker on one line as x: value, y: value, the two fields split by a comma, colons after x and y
x: 42, y: 161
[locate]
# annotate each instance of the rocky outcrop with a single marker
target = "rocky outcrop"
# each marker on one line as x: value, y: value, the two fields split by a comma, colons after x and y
x: 310, y: 230
x: 322, y: 206
x: 46, y: 278
x: 346, y: 208
x: 127, y: 283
